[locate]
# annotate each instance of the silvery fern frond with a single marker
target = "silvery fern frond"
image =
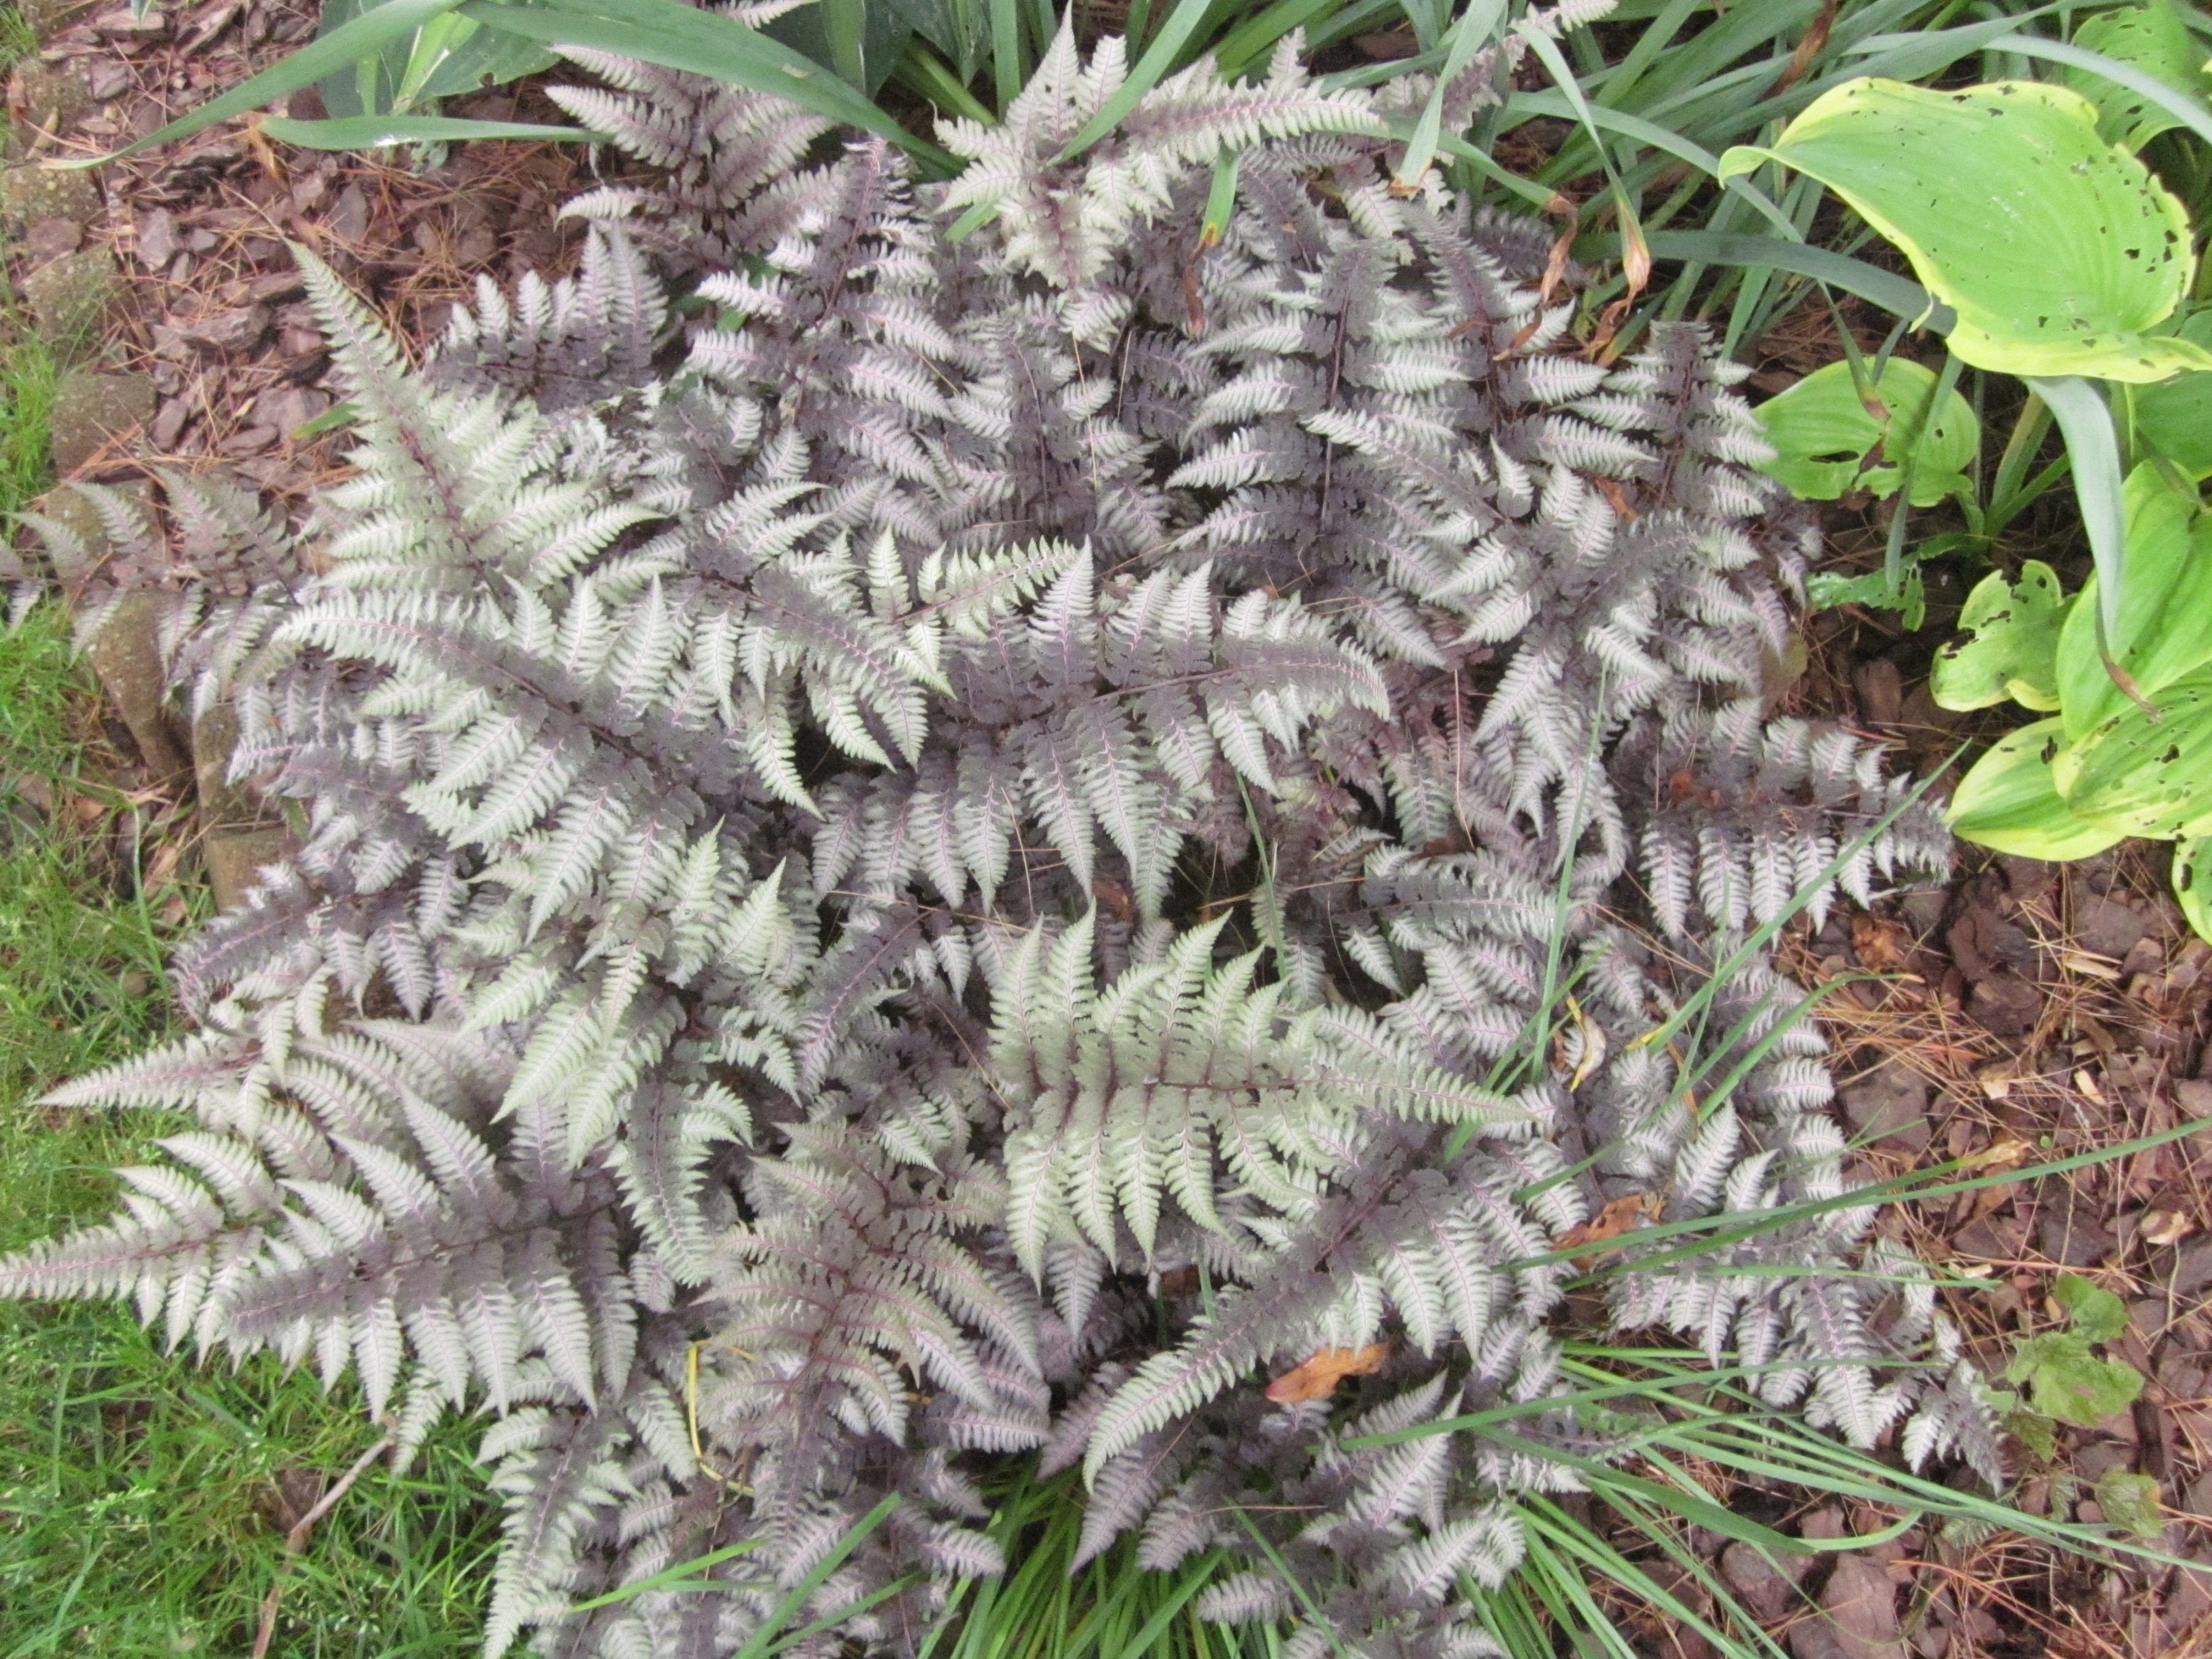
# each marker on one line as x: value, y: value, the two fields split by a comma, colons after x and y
x: 992, y: 847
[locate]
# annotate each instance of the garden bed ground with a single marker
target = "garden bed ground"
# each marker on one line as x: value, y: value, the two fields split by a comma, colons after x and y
x: 2026, y: 1012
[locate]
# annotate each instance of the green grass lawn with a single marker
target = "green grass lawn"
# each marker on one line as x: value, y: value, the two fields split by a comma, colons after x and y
x: 143, y: 1499
x: 141, y: 1494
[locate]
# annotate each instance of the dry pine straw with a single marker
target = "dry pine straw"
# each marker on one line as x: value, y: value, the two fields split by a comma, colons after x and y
x: 214, y: 312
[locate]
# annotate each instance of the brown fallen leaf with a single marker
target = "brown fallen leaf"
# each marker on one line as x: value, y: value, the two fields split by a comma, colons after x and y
x: 1177, y: 1282
x: 1318, y: 1378
x: 1881, y: 944
x: 1618, y: 1216
x: 2003, y: 1153
x: 2165, y: 1227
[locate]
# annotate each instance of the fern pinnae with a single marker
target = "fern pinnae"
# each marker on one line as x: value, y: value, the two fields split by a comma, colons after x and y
x: 883, y: 835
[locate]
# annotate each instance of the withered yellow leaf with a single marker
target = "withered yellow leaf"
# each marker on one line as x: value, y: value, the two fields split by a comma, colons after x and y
x: 1318, y: 1378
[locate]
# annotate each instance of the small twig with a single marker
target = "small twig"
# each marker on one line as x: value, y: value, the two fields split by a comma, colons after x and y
x: 296, y: 1540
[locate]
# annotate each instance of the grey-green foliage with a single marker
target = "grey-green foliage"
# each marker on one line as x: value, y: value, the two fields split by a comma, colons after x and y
x: 844, y: 842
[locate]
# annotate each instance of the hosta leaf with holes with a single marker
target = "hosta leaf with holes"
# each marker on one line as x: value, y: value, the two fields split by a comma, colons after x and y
x: 2013, y: 647
x: 2147, y: 776
x: 2164, y: 631
x: 2192, y: 881
x: 2009, y: 800
x: 2153, y: 38
x: 2060, y: 252
x: 1833, y: 435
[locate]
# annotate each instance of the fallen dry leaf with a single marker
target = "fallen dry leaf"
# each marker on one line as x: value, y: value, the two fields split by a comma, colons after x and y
x: 1318, y: 1378
x: 1998, y: 1078
x: 2094, y: 967
x: 1617, y: 1218
x: 161, y: 868
x: 2165, y: 1227
x: 2004, y: 1152
x: 1881, y: 944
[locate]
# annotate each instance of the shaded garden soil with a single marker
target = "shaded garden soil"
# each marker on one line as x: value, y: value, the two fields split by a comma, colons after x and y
x: 2020, y: 1014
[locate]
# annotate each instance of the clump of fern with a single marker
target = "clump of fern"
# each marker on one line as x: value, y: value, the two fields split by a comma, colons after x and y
x: 998, y: 841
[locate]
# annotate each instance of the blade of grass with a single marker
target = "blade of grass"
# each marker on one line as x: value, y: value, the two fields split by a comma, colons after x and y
x: 923, y: 73
x: 667, y: 1577
x: 375, y: 131
x: 1256, y: 35
x: 1478, y: 25
x: 1150, y: 68
x: 757, y: 1645
x: 1007, y: 67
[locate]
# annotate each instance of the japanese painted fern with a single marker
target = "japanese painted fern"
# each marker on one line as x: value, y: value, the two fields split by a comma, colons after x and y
x: 987, y: 845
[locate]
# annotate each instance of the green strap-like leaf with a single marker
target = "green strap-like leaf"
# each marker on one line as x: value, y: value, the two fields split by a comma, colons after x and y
x: 2093, y: 450
x: 683, y: 38
x: 1892, y: 292
x: 375, y: 131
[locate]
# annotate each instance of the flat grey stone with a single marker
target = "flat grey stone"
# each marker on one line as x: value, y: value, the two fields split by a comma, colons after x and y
x: 69, y: 299
x: 1767, y: 1588
x: 30, y: 192
x: 44, y: 98
x: 224, y: 806
x: 71, y: 510
x: 2108, y: 925
x: 235, y: 859
x: 2185, y: 1269
x: 1858, y: 1609
x: 49, y: 17
x: 2071, y: 1230
x: 93, y: 411
x: 126, y: 655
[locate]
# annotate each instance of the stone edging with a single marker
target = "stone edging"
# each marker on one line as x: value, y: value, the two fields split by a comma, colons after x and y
x: 77, y: 301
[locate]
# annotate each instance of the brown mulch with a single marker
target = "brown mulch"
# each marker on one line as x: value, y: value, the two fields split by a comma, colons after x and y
x: 213, y: 312
x: 2022, y: 1013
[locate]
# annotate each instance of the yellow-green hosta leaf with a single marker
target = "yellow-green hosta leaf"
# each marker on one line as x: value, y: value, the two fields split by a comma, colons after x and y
x: 2152, y: 39
x: 2164, y: 629
x: 2192, y: 881
x: 2147, y: 777
x: 2014, y: 648
x: 1824, y: 430
x: 2009, y: 801
x: 2057, y: 249
x: 2175, y: 417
